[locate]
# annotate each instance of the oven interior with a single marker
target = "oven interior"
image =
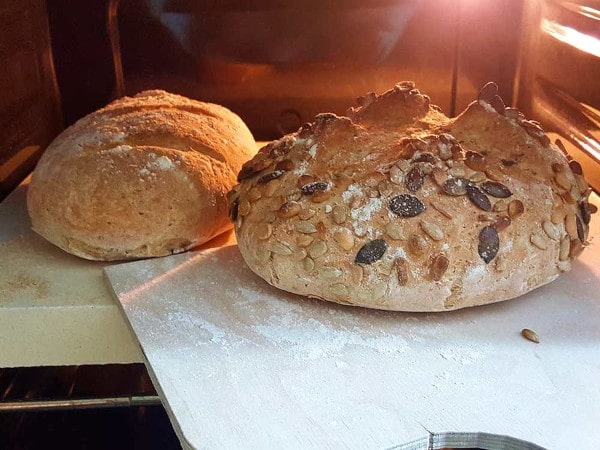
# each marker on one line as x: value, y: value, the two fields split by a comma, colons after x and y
x: 276, y: 64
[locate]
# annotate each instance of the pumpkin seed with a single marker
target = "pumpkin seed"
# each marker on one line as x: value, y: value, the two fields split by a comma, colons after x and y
x: 270, y: 176
x: 405, y: 205
x: 576, y: 167
x: 371, y: 252
x: 489, y: 244
x: 487, y: 92
x: 478, y: 198
x: 496, y: 189
x: 414, y: 179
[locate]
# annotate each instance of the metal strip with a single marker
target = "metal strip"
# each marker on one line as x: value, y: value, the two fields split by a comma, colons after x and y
x: 52, y: 405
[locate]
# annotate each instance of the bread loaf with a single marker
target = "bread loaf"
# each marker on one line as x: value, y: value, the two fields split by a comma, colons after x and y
x: 144, y: 176
x: 399, y: 207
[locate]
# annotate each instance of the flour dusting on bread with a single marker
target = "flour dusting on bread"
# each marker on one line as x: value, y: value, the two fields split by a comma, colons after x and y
x: 399, y: 207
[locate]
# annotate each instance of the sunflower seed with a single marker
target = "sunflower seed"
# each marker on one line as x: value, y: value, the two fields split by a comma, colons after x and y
x: 395, y: 230
x: 417, y: 245
x: 405, y: 205
x: 515, y: 209
x: 437, y: 268
x: 308, y: 264
x: 442, y: 209
x: 280, y: 248
x: 565, y: 248
x: 402, y: 273
x: 478, y: 198
x: 304, y: 180
x: 500, y: 263
x: 317, y: 249
x: 320, y: 196
x: 345, y: 239
x: 562, y: 180
x: 551, y: 230
x: 271, y: 188
x: 306, y: 227
x: 571, y: 224
x: 558, y: 214
x: 396, y: 175
x: 304, y: 240
x: 288, y: 209
x: 495, y: 173
x: 576, y: 248
x: 530, y: 335
x: 285, y: 165
x: 500, y: 205
x: 329, y: 273
x: 475, y: 161
x: 371, y: 252
x: 339, y: 214
x: 264, y: 231
x: 432, y: 230
x: 339, y: 290
x: 539, y: 241
x: 244, y: 208
x: 489, y: 244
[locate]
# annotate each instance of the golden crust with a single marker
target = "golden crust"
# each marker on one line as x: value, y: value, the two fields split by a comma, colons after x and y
x: 144, y: 176
x: 399, y: 207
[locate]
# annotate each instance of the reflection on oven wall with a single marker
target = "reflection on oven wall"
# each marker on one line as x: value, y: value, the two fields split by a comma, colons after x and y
x: 277, y: 64
x: 558, y: 80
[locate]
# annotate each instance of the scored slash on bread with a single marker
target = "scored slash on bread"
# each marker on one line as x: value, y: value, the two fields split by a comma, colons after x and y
x: 144, y: 176
x: 398, y: 207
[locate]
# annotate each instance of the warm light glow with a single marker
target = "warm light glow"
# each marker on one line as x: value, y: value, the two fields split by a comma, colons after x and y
x: 574, y: 38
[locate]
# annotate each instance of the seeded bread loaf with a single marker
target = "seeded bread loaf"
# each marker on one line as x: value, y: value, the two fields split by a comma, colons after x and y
x: 144, y: 176
x: 399, y: 207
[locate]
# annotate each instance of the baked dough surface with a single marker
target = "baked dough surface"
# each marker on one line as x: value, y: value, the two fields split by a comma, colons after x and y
x: 398, y: 207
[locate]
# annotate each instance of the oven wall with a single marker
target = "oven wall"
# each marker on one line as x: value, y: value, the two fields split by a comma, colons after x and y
x: 30, y: 115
